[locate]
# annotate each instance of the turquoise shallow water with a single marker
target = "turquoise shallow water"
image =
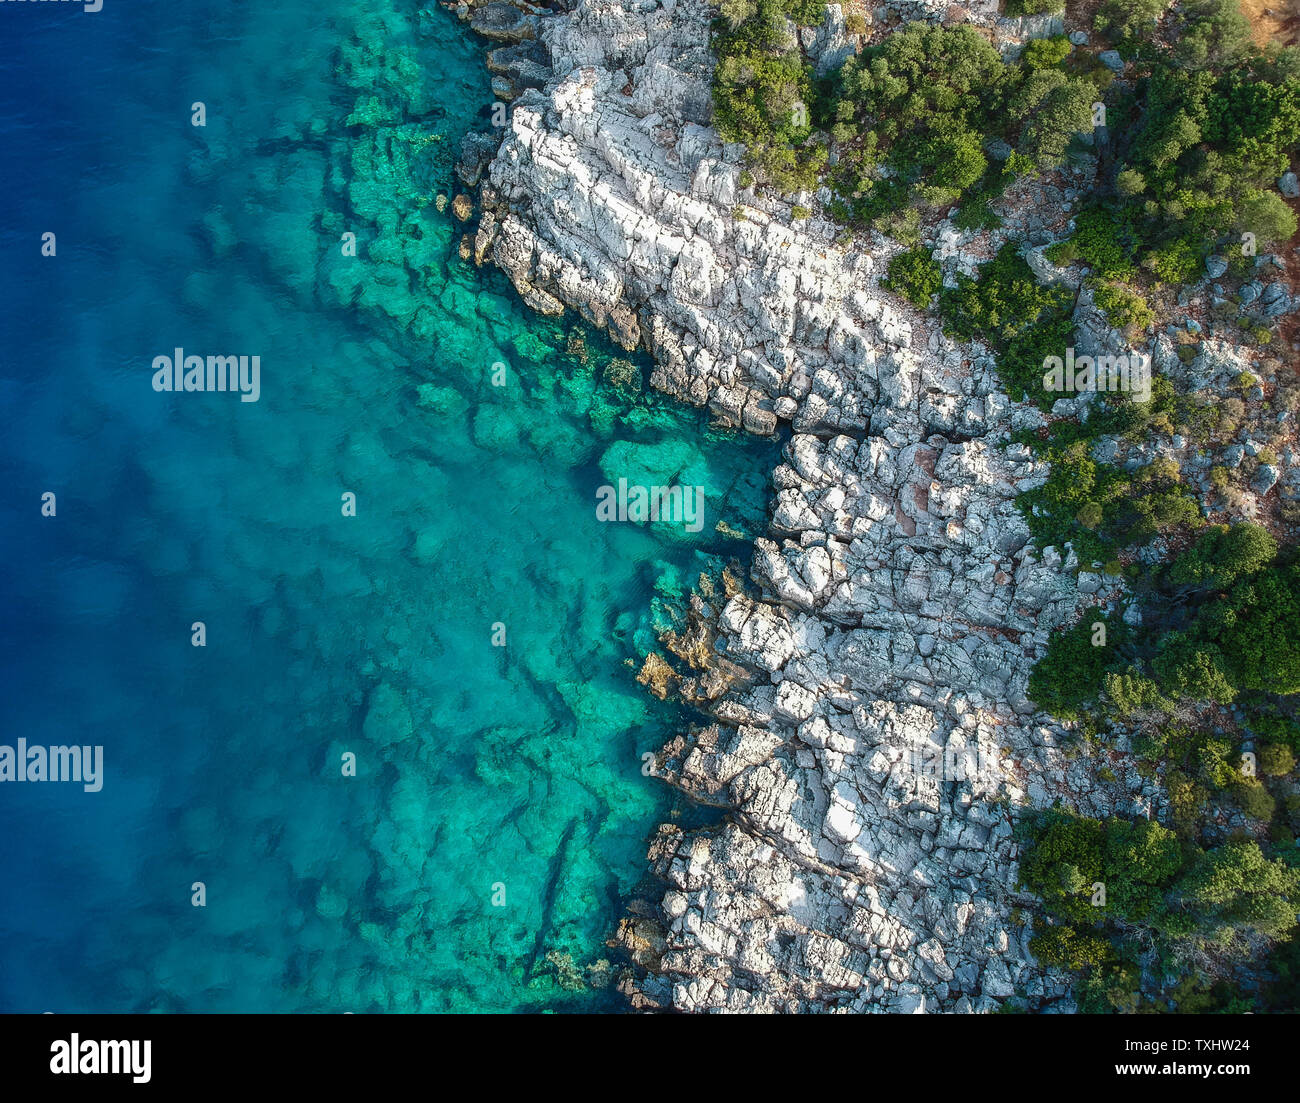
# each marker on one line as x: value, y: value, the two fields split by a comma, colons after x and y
x: 481, y: 769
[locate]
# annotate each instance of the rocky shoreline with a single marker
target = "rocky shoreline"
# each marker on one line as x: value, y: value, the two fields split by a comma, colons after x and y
x: 871, y: 728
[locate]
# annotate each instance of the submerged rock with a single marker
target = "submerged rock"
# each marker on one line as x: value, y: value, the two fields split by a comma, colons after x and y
x: 504, y: 23
x: 388, y: 719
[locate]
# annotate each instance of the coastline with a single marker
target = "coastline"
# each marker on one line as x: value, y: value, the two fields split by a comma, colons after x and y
x: 897, y: 574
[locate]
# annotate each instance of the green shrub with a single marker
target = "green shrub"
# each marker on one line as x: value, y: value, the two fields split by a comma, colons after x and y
x: 974, y: 212
x: 1007, y: 307
x: 1276, y: 759
x: 761, y: 89
x: 1016, y: 8
x: 915, y: 275
x: 1256, y: 628
x: 923, y: 99
x: 1065, y: 855
x: 1198, y: 164
x: 1051, y: 108
x: 1239, y: 642
x: 1186, y: 667
x: 1222, y: 554
x: 1187, y: 802
x: 1275, y: 727
x: 1129, y: 18
x: 1130, y: 182
x: 806, y: 13
x: 1212, y: 757
x: 1266, y: 215
x: 1252, y: 798
x: 1106, y: 243
x: 1214, y: 33
x: 1109, y: 989
x: 1235, y: 887
x: 1156, y: 502
x: 1045, y: 53
x: 1125, y: 308
x: 926, y: 99
x: 1177, y: 261
x: 1062, y: 253
x: 1072, y: 671
x: 1065, y: 947
x: 1130, y: 692
x: 1090, y: 515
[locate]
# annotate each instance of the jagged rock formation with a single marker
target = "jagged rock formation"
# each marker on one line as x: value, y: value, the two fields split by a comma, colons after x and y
x: 881, y: 731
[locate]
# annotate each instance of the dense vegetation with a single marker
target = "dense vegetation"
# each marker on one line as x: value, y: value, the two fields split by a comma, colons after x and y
x: 762, y: 88
x: 915, y: 275
x: 1119, y: 890
x: 1223, y: 617
x: 1198, y: 153
x: 1009, y: 310
x: 913, y: 119
x: 1100, y: 507
x: 917, y: 118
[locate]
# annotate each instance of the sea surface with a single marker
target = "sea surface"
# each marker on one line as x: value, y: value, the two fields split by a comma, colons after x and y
x: 466, y: 643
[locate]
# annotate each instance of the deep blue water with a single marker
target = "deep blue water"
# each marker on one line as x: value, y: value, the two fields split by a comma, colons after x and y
x: 481, y: 769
